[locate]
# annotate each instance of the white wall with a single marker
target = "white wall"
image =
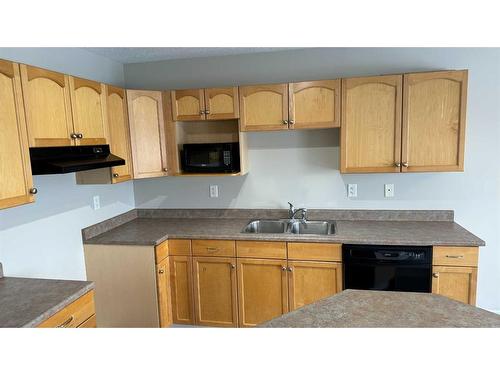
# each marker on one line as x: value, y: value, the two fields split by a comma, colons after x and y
x: 302, y: 166
x: 43, y: 239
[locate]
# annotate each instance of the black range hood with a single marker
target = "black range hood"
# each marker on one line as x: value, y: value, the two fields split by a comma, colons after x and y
x: 56, y: 160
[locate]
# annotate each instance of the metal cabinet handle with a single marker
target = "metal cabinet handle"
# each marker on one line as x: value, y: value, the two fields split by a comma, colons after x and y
x: 165, y: 169
x: 33, y: 190
x: 397, y: 165
x: 405, y: 164
x: 290, y: 269
x: 233, y: 266
x: 435, y: 275
x: 454, y: 256
x: 66, y: 323
x: 292, y: 122
x: 161, y: 271
x: 207, y: 112
x: 283, y: 268
x: 285, y: 122
x: 79, y: 135
x: 116, y: 175
x: 202, y: 112
x: 73, y: 136
x: 212, y: 249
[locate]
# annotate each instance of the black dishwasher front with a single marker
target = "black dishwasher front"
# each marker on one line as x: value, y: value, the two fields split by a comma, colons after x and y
x: 394, y: 268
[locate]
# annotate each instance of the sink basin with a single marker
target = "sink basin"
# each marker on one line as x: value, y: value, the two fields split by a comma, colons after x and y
x: 266, y: 226
x: 290, y: 226
x: 312, y: 227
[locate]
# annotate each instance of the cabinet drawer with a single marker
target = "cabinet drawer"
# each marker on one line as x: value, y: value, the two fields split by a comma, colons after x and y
x: 72, y: 315
x: 89, y: 323
x: 179, y: 247
x: 261, y: 249
x: 214, y: 248
x: 455, y: 256
x: 161, y: 251
x: 315, y: 251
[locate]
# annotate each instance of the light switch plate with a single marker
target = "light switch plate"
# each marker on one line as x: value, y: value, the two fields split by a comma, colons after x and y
x: 389, y: 190
x: 352, y: 190
x: 96, y: 202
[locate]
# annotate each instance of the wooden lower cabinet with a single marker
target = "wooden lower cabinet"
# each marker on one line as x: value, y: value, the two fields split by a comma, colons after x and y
x: 215, y: 291
x: 181, y: 283
x: 262, y: 290
x: 163, y: 291
x: 309, y: 282
x: 458, y: 283
x: 80, y: 313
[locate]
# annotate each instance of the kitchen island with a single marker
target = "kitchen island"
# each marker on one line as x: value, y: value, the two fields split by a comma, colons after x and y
x: 380, y: 309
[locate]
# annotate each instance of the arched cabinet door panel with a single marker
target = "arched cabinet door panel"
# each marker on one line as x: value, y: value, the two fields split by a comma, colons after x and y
x: 371, y: 124
x: 434, y: 121
x: 88, y: 104
x: 188, y: 105
x: 147, y: 133
x: 15, y: 169
x: 48, y: 107
x: 264, y: 107
x: 222, y: 103
x: 314, y: 104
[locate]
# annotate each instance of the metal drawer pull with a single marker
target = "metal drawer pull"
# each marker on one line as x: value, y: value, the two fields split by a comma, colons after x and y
x: 161, y: 271
x: 455, y: 256
x: 435, y: 275
x: 212, y: 249
x: 66, y: 323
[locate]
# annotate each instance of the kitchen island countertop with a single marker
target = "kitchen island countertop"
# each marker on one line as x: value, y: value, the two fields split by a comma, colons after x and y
x: 381, y: 309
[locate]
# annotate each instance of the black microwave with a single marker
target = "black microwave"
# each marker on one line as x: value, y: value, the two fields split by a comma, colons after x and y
x: 210, y: 157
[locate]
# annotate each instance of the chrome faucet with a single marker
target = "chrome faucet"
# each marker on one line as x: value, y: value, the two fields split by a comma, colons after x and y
x: 292, y: 212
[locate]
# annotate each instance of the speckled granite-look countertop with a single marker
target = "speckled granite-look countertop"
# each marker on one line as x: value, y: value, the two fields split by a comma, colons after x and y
x: 28, y: 302
x: 151, y: 227
x: 378, y: 309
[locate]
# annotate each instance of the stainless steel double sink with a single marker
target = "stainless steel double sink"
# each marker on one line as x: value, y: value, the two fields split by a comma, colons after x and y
x: 290, y: 226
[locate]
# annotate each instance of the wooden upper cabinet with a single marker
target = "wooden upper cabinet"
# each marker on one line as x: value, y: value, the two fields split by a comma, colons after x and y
x: 88, y: 104
x: 371, y: 124
x: 264, y: 107
x: 314, y: 104
x: 147, y: 133
x: 458, y: 283
x: 118, y: 132
x: 215, y: 291
x: 222, y: 103
x: 163, y: 292
x: 434, y: 121
x: 15, y: 169
x: 188, y: 105
x: 309, y: 282
x: 263, y: 290
x: 48, y: 107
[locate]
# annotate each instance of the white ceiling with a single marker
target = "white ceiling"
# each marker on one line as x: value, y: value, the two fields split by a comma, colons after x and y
x: 127, y: 55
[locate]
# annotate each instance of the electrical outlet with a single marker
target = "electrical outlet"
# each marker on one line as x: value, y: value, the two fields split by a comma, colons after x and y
x: 214, y: 191
x: 352, y: 190
x: 97, y: 202
x: 389, y: 190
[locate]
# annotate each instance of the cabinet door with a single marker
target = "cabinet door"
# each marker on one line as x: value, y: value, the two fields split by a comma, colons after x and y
x: 262, y: 290
x: 215, y: 291
x: 88, y: 104
x: 222, y: 103
x: 458, y: 283
x: 371, y: 124
x: 434, y: 121
x: 188, y: 105
x: 118, y: 132
x: 48, y: 107
x: 264, y: 107
x: 311, y: 281
x: 181, y: 283
x: 15, y: 169
x: 147, y: 133
x: 163, y: 292
x: 314, y: 104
